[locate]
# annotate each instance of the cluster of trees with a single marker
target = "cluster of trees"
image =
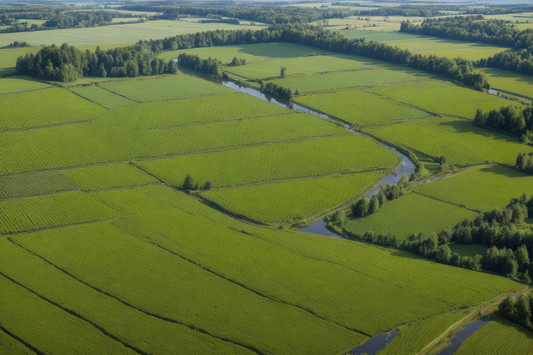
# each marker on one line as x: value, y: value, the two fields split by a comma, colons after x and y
x: 407, y: 10
x: 419, y: 173
x: 520, y: 60
x: 518, y: 311
x: 365, y: 207
x: 236, y: 62
x: 67, y: 63
x: 276, y: 89
x: 206, y: 66
x: 83, y: 19
x: 190, y: 185
x: 524, y: 162
x: 18, y: 44
x: 509, y: 119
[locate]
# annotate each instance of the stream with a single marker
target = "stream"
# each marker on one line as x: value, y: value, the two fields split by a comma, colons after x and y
x: 464, y: 334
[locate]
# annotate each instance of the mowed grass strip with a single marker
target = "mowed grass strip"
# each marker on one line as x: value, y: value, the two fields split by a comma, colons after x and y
x: 459, y: 140
x: 108, y: 176
x: 197, y: 110
x: 156, y: 281
x: 304, y: 65
x: 164, y: 88
x: 283, y: 200
x: 442, y: 97
x: 44, y: 107
x: 409, y: 214
x: 144, y: 332
x: 100, y: 96
x: 20, y: 83
x: 37, y: 183
x: 499, y: 336
x: 340, y: 80
x: 275, y: 162
x: 414, y: 337
x: 39, y: 212
x: 49, y: 328
x: 483, y: 188
x: 361, y: 108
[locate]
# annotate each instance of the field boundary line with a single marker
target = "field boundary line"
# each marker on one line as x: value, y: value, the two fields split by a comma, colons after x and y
x: 22, y: 341
x: 514, y: 93
x: 448, y: 202
x: 77, y: 315
x: 14, y: 234
x: 360, y: 87
x: 44, y: 126
x: 86, y: 98
x: 18, y: 92
x: 404, y: 103
x: 167, y: 319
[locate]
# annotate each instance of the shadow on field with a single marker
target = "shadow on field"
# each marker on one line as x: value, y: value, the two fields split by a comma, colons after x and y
x: 277, y: 50
x: 501, y: 170
x: 461, y: 126
x: 406, y: 254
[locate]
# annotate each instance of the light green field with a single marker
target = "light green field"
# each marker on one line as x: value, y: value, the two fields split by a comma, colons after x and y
x: 483, y: 188
x: 250, y: 52
x: 40, y: 108
x: 374, y: 23
x: 144, y: 332
x: 415, y: 336
x: 286, y: 199
x: 361, y: 108
x: 30, y: 184
x: 509, y: 81
x: 20, y: 83
x: 164, y: 88
x: 101, y: 97
x: 459, y: 140
x: 39, y: 212
x: 339, y: 80
x: 121, y: 33
x: 275, y: 162
x: 8, y: 57
x: 442, y: 97
x: 410, y: 214
x: 306, y: 65
x: 202, y: 109
x: 498, y: 337
x: 108, y: 176
x: 469, y: 250
x: 521, y: 17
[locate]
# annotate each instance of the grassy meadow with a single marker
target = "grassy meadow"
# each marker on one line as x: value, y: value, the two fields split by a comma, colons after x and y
x: 509, y: 81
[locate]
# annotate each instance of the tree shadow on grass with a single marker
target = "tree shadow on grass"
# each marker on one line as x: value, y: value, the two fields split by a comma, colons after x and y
x: 461, y: 126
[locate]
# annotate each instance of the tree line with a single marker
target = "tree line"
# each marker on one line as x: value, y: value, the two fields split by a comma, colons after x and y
x: 83, y: 19
x: 510, y: 119
x: 520, y: 60
x: 205, y: 66
x: 524, y: 162
x: 365, y: 207
x: 518, y: 311
x: 499, y: 9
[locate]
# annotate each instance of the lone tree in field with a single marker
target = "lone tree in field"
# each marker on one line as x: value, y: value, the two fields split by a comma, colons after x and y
x: 208, y: 185
x: 283, y: 70
x: 188, y: 184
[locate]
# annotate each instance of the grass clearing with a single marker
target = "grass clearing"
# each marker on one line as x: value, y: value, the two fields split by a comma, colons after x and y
x: 275, y: 162
x: 30, y: 184
x: 409, y: 214
x: 101, y: 97
x: 108, y: 176
x: 164, y: 88
x: 44, y: 107
x: 459, y: 140
x: 443, y: 97
x: 286, y: 199
x: 483, y: 188
x: 20, y: 83
x: 509, y: 81
x: 361, y: 108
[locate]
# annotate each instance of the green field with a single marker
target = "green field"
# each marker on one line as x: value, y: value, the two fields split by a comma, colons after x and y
x: 250, y: 52
x: 164, y: 88
x: 20, y: 83
x: 121, y: 33
x: 9, y: 345
x: 470, y: 188
x: 509, y: 81
x: 30, y: 184
x: 499, y: 337
x: 8, y: 58
x: 442, y: 97
x: 460, y: 141
x: 340, y: 80
x: 361, y: 108
x: 409, y: 214
x: 275, y: 162
x: 286, y: 199
x: 101, y: 97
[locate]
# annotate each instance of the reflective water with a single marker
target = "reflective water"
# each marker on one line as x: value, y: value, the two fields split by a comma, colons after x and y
x: 374, y: 345
x: 464, y: 334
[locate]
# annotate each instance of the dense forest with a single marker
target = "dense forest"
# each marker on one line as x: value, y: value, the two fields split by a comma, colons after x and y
x: 510, y: 119
x: 499, y: 9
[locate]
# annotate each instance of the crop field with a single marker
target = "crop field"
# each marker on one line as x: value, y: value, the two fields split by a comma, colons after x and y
x: 470, y: 188
x: 459, y: 140
x: 414, y: 337
x: 275, y: 162
x: 286, y: 199
x: 26, y: 214
x: 361, y: 108
x: 9, y: 345
x: 38, y: 183
x: 108, y: 176
x: 509, y: 81
x: 39, y: 108
x: 126, y: 33
x: 442, y: 97
x: 20, y: 83
x: 499, y: 337
x: 197, y: 110
x: 305, y: 65
x: 250, y: 52
x: 164, y: 88
x: 410, y: 214
x: 340, y: 80
x: 101, y: 97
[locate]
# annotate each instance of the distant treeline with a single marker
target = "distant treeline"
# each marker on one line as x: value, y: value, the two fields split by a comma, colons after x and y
x: 83, y: 19
x: 509, y: 119
x: 518, y: 311
x: 67, y: 63
x: 499, y: 9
